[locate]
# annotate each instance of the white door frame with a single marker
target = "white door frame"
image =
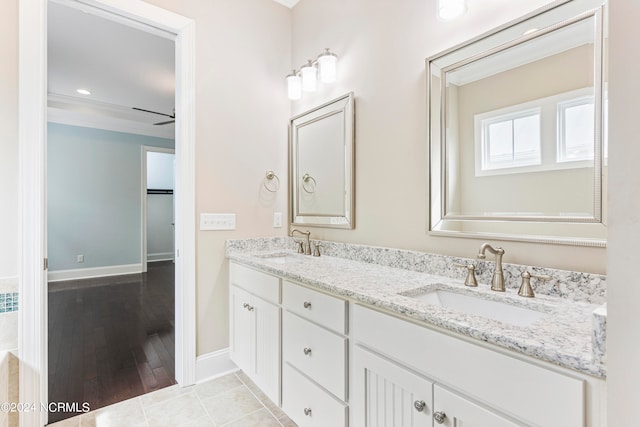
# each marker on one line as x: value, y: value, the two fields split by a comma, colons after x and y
x: 149, y: 149
x: 32, y: 328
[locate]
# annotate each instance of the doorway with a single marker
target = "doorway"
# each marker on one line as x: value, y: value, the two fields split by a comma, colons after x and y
x: 158, y: 209
x: 32, y: 135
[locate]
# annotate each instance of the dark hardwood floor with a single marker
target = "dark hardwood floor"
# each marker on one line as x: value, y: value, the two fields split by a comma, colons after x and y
x: 111, y: 339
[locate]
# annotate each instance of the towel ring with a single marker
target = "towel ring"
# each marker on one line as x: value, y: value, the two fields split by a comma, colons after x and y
x: 269, y: 178
x: 305, y: 182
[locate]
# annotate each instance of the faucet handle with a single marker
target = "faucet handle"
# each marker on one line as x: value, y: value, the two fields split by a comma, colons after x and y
x: 300, y: 246
x: 316, y: 249
x: 470, y: 280
x: 525, y: 288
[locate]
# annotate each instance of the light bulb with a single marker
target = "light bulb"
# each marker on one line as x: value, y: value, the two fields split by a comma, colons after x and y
x: 327, y: 63
x: 294, y: 86
x: 309, y: 77
x: 451, y: 9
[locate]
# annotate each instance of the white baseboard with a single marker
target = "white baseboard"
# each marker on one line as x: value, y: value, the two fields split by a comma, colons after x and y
x: 161, y: 256
x: 88, y: 273
x: 212, y: 365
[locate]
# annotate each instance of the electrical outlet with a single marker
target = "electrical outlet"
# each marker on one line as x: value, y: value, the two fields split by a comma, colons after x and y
x: 209, y: 221
x: 277, y: 220
x: 80, y: 258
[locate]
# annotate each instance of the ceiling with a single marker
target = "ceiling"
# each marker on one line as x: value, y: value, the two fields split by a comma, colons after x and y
x: 122, y: 66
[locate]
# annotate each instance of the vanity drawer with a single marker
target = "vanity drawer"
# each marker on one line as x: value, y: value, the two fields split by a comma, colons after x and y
x: 307, y: 404
x: 261, y: 284
x: 317, y: 352
x: 328, y: 311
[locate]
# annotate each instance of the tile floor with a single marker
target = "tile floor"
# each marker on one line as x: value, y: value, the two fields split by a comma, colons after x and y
x: 229, y: 401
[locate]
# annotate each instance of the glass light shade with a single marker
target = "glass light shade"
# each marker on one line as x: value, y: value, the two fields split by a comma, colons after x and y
x: 451, y: 9
x: 327, y: 64
x: 309, y: 77
x: 294, y: 87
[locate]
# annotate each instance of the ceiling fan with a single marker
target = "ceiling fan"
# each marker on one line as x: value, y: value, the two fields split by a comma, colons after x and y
x: 173, y: 116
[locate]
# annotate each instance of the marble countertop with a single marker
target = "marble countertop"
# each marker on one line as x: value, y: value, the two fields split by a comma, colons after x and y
x: 563, y: 336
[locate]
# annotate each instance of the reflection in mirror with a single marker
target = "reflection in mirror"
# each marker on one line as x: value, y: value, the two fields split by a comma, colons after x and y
x: 516, y: 130
x: 321, y: 153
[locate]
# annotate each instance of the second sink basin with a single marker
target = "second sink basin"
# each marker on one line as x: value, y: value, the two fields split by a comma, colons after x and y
x: 490, y: 309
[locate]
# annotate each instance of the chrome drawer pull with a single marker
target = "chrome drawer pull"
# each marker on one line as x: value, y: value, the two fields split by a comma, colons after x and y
x: 439, y: 417
x: 419, y: 405
x: 307, y: 351
x: 307, y: 412
x: 307, y: 304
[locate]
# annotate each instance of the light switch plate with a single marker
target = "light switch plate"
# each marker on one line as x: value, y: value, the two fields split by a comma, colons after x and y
x: 217, y: 221
x: 277, y: 220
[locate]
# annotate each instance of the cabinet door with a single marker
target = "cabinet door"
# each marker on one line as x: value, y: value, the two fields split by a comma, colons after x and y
x: 457, y: 411
x: 267, y: 350
x: 386, y: 394
x: 241, y: 329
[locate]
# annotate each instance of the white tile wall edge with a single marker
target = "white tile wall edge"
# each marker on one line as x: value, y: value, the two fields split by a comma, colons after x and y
x: 213, y: 365
x: 8, y: 284
x: 576, y: 286
x: 88, y: 273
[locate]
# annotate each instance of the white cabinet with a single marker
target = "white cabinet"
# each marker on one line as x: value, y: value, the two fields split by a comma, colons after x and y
x: 388, y: 394
x: 314, y: 355
x: 490, y: 385
x: 394, y: 395
x: 307, y: 404
x: 255, y: 328
x: 453, y: 411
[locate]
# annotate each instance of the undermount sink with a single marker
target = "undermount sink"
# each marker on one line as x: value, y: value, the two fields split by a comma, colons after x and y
x: 279, y: 257
x: 474, y: 305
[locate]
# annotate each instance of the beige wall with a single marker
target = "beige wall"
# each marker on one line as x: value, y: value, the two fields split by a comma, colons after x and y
x: 623, y: 300
x: 9, y: 139
x: 382, y: 47
x: 242, y: 56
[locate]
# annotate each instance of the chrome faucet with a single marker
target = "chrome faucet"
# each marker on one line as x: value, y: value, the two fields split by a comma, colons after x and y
x: 303, y: 249
x: 497, y: 281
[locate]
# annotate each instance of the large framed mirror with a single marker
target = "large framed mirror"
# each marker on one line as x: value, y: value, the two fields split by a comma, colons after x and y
x: 517, y: 130
x: 321, y: 158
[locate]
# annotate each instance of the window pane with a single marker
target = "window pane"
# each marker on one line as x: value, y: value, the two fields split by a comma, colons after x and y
x: 526, y: 131
x: 578, y: 128
x: 500, y: 143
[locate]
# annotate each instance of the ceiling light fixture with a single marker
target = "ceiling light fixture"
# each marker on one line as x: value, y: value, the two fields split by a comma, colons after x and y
x: 451, y: 9
x: 83, y: 91
x: 324, y: 68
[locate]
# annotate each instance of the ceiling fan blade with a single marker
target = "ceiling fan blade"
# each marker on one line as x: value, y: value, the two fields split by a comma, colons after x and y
x: 154, y: 112
x: 164, y: 123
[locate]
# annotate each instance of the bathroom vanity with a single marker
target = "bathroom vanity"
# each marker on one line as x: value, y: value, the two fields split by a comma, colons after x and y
x: 355, y: 342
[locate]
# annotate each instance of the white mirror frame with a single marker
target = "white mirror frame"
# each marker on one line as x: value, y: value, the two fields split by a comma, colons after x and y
x: 544, y: 229
x: 345, y: 107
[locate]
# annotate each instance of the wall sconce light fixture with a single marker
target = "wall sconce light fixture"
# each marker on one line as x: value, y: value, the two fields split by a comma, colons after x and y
x: 323, y: 68
x: 451, y: 9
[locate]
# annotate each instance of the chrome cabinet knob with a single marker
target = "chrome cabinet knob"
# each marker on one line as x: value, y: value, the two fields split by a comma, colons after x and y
x: 419, y: 405
x: 306, y: 304
x: 307, y: 351
x: 307, y: 412
x: 245, y: 305
x: 439, y: 417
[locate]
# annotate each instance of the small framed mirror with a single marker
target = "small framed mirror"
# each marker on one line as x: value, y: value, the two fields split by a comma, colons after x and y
x: 517, y: 130
x: 321, y: 160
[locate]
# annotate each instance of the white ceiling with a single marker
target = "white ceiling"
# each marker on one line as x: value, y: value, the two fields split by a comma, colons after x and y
x: 123, y: 67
